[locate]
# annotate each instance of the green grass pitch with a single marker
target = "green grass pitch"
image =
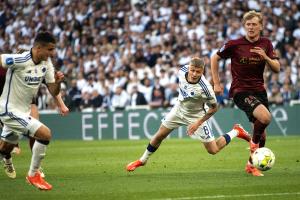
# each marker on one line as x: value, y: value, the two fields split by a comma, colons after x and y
x: 179, y: 170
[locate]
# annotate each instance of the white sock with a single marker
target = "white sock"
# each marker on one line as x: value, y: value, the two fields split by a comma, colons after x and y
x: 146, y: 156
x: 233, y: 133
x: 38, y: 153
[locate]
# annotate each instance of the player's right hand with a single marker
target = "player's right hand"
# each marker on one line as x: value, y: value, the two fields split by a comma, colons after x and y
x: 218, y: 89
x: 59, y: 77
x: 64, y: 110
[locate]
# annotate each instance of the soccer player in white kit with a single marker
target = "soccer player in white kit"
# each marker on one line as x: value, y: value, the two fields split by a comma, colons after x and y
x: 196, y: 104
x: 7, y: 160
x: 25, y: 73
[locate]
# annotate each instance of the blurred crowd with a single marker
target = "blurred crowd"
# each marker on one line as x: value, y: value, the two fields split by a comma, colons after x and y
x: 121, y: 53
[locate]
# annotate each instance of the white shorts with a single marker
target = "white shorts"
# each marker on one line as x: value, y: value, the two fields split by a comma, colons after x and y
x: 174, y: 119
x: 17, y: 125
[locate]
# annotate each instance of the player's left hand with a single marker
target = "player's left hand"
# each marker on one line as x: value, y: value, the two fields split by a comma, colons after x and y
x: 64, y: 110
x: 192, y: 128
x: 260, y: 52
x: 59, y: 77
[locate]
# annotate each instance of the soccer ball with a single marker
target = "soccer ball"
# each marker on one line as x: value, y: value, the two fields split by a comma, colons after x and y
x: 263, y: 159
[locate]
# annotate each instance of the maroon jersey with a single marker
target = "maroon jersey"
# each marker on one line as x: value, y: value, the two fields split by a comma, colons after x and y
x: 246, y: 68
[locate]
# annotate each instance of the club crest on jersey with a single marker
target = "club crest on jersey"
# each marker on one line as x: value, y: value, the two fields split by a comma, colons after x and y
x: 9, y: 61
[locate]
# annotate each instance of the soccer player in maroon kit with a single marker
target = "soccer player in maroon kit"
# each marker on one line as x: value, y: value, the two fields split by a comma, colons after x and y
x: 249, y: 55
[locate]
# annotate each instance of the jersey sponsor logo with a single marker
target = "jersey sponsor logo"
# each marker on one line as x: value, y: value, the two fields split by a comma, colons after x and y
x: 250, y: 60
x: 9, y: 61
x: 33, y: 80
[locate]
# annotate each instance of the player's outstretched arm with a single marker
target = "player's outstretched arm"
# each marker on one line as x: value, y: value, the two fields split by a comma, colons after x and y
x: 215, y: 74
x: 63, y: 109
x: 54, y: 88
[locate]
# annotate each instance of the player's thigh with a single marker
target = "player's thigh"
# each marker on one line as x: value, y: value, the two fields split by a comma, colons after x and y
x: 262, y: 114
x: 162, y: 133
x: 13, y: 128
x: 172, y: 120
x: 17, y: 124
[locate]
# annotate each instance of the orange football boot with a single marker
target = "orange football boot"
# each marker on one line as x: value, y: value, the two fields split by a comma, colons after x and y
x: 38, y: 182
x: 133, y: 165
x: 242, y: 133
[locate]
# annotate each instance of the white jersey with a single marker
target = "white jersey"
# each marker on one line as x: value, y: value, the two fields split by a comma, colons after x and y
x: 194, y: 98
x: 23, y: 79
x: 191, y: 105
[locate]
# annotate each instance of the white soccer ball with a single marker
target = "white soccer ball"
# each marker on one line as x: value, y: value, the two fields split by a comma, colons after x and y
x: 263, y: 159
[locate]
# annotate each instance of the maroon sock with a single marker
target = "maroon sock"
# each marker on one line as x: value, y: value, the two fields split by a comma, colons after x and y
x: 258, y: 131
x: 262, y: 140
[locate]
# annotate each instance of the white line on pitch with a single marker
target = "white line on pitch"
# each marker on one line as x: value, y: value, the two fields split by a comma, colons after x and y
x: 232, y: 196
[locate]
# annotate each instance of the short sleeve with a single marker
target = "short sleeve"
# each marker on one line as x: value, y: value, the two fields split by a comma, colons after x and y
x: 14, y: 60
x: 49, y: 77
x: 271, y: 51
x: 226, y: 50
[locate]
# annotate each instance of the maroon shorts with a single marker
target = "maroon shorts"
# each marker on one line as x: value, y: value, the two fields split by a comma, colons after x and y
x: 248, y: 101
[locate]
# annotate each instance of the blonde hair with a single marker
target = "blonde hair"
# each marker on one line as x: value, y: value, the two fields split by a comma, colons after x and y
x: 251, y: 14
x: 197, y: 62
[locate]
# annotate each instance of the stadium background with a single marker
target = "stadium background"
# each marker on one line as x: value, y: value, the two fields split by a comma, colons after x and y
x: 123, y: 55
x: 109, y: 50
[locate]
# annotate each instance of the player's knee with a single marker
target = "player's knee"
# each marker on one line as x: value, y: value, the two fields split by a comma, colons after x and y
x: 266, y: 119
x: 213, y: 151
x: 48, y: 135
x: 43, y: 133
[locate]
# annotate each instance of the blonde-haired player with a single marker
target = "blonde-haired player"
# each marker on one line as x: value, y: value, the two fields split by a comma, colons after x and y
x: 196, y: 104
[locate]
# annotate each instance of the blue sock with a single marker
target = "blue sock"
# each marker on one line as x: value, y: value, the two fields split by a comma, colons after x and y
x: 151, y: 148
x: 227, y: 138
